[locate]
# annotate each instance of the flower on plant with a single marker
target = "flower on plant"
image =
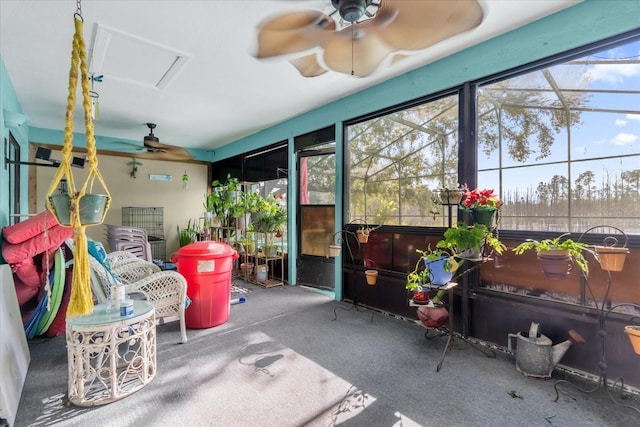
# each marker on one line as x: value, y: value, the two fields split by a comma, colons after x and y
x: 481, y: 198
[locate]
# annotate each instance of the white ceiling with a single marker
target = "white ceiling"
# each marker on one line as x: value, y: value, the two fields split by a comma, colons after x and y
x: 221, y: 92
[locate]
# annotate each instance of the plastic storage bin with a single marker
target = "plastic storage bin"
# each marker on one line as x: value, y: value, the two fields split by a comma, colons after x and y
x: 207, y: 267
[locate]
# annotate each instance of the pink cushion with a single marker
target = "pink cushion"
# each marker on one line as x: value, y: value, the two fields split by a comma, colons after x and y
x: 59, y: 324
x: 29, y: 228
x: 55, y: 237
x: 27, y: 272
x: 25, y: 293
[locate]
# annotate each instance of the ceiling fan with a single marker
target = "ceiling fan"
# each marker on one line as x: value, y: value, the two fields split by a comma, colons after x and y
x: 357, y: 36
x: 155, y: 150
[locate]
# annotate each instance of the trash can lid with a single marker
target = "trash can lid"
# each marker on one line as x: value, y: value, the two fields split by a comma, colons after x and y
x: 207, y: 248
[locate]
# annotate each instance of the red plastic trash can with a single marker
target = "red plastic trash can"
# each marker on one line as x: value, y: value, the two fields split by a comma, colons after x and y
x: 207, y: 267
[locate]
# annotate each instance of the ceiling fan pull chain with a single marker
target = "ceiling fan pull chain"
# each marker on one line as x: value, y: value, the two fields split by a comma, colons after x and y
x: 352, y: 40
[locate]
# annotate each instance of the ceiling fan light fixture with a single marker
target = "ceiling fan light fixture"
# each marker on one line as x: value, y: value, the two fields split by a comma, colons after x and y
x: 151, y: 136
x: 351, y: 10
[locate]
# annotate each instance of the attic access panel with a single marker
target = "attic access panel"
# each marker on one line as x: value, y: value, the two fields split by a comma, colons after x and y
x: 127, y: 57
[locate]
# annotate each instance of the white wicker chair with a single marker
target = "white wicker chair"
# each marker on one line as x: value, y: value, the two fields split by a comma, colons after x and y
x: 166, y: 290
x: 117, y: 256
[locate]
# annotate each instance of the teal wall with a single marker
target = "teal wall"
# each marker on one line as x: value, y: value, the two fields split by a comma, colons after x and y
x: 9, y: 104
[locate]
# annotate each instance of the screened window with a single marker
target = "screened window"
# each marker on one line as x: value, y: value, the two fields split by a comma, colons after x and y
x: 395, y: 161
x: 562, y: 144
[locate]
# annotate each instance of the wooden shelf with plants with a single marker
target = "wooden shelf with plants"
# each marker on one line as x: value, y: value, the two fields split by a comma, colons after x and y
x: 267, y: 259
x: 249, y: 223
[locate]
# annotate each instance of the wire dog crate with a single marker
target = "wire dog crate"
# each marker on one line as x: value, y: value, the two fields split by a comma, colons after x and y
x: 151, y: 220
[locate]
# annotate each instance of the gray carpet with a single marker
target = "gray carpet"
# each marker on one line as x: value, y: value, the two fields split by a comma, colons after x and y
x: 282, y: 360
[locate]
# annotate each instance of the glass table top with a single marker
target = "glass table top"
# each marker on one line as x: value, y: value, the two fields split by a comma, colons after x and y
x: 104, y: 314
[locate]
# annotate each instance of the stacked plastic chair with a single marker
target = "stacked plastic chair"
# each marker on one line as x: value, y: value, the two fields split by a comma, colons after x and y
x: 130, y: 239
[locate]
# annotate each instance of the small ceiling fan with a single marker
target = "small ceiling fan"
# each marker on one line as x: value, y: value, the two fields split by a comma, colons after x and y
x: 357, y: 36
x: 155, y: 150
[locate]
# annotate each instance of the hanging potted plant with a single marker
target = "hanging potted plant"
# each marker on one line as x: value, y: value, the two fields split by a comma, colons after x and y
x: 557, y: 255
x: 633, y: 332
x: 371, y: 276
x: 484, y: 206
x: 611, y: 258
x: 363, y: 234
x: 448, y: 196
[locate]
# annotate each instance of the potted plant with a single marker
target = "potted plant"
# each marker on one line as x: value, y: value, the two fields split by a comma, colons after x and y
x: 483, y: 205
x: 611, y: 258
x: 448, y: 196
x: 418, y: 282
x: 469, y: 241
x: 225, y: 201
x: 187, y: 235
x: 557, y: 255
x: 271, y: 217
x: 440, y: 264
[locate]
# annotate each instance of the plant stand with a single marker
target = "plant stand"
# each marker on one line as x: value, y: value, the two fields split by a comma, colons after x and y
x: 448, y: 330
x: 603, y: 314
x: 266, y: 262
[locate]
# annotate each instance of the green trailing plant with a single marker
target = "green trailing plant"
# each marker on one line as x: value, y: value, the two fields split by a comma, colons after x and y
x: 418, y: 278
x: 463, y: 237
x: 455, y: 241
x: 562, y: 243
x: 271, y: 217
x: 225, y: 201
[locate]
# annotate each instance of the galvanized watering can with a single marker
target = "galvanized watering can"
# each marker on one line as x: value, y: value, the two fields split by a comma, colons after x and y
x: 535, y: 354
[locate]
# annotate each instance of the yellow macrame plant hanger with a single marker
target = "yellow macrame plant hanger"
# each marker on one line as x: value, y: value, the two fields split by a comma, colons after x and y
x: 81, y: 299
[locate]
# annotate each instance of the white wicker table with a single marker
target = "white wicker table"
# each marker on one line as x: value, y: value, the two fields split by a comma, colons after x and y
x: 110, y: 356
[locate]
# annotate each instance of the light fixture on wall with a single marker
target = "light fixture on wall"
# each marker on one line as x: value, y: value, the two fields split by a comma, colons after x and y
x: 45, y: 154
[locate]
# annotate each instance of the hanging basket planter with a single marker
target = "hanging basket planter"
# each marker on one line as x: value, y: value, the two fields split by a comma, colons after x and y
x: 611, y: 258
x: 91, y: 208
x: 372, y: 276
x: 633, y: 332
x: 555, y: 267
x: 334, y: 250
x: 82, y: 208
x: 450, y: 196
x: 363, y: 235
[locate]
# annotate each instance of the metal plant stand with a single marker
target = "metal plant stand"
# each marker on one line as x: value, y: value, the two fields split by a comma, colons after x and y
x: 603, y: 314
x: 339, y: 241
x: 448, y: 330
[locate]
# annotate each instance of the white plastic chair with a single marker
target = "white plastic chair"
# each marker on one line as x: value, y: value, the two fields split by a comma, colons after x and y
x: 130, y: 239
